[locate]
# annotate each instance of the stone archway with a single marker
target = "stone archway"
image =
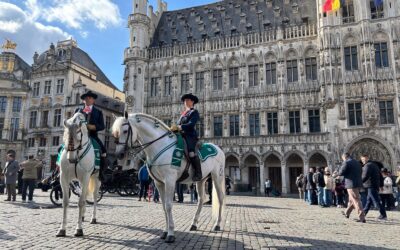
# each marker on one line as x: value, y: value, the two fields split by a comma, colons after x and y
x: 251, y: 172
x: 232, y: 169
x: 273, y: 171
x: 375, y: 149
x: 295, y: 166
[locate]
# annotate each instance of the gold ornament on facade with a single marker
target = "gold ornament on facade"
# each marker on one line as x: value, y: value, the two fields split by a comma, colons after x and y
x: 9, y: 45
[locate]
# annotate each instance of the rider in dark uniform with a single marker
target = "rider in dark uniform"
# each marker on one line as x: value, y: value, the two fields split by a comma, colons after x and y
x: 187, y: 126
x: 95, y: 123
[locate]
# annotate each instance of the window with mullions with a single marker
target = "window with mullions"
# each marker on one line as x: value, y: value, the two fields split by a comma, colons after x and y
x: 167, y: 85
x: 376, y: 10
x: 350, y: 58
x: 36, y: 89
x: 311, y: 68
x: 348, y: 11
x: 234, y: 125
x: 292, y: 71
x: 17, y: 102
x: 254, y: 124
x: 294, y: 122
x: 47, y: 87
x: 185, y: 83
x: 153, y: 86
x: 217, y: 126
x: 200, y: 128
x: 314, y: 121
x: 3, y: 104
x: 381, y: 55
x: 272, y: 121
x: 217, y: 79
x: 355, y: 114
x: 386, y: 115
x: 233, y: 77
x: 253, y: 75
x: 199, y: 81
x: 270, y: 73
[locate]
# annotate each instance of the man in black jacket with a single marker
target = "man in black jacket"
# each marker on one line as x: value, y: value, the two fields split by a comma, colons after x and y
x: 95, y: 123
x: 310, y: 186
x: 351, y: 170
x: 371, y: 178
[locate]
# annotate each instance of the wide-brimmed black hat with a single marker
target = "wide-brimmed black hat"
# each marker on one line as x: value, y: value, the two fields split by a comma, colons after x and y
x: 90, y: 94
x: 191, y: 97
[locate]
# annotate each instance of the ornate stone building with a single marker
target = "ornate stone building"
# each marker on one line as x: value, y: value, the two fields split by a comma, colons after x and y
x: 283, y: 86
x: 14, y: 87
x: 59, y: 76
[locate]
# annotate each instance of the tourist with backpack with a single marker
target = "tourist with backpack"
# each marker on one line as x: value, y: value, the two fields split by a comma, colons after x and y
x: 300, y: 185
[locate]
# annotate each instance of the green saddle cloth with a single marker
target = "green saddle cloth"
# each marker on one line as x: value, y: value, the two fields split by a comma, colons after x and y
x: 206, y: 151
x: 97, y: 153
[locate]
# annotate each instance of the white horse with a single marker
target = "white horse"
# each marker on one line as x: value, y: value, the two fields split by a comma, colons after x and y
x: 155, y: 140
x: 77, y: 162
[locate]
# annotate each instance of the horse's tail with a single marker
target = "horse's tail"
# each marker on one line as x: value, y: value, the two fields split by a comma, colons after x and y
x: 218, y: 190
x: 92, y: 184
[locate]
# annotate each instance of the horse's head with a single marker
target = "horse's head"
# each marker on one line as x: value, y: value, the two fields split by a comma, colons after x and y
x: 75, y: 132
x: 125, y: 135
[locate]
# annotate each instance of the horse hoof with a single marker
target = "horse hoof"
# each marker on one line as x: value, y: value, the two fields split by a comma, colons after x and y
x: 170, y: 239
x: 217, y: 228
x: 61, y: 233
x: 193, y: 228
x: 93, y: 221
x: 78, y: 233
x: 164, y: 235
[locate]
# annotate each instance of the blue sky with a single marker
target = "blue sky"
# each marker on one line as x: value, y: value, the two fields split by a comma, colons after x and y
x: 99, y: 26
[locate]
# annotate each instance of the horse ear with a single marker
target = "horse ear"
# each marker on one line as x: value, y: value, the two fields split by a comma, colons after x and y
x: 126, y: 115
x: 65, y: 123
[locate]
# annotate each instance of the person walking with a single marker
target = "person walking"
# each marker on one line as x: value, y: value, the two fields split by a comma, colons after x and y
x: 351, y: 170
x: 386, y: 193
x: 329, y: 187
x: 311, y: 187
x: 371, y: 178
x: 320, y: 183
x: 29, y: 177
x: 193, y: 193
x: 300, y: 184
x: 144, y: 182
x: 268, y: 186
x: 11, y: 174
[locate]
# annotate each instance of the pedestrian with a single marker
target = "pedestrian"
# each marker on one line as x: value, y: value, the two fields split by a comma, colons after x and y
x: 304, y: 186
x: 398, y: 189
x: 156, y: 194
x: 371, y: 178
x: 179, y: 191
x: 29, y: 177
x: 11, y: 174
x: 20, y: 182
x: 311, y: 187
x: 320, y: 183
x: 193, y: 193
x: 363, y: 191
x: 329, y: 187
x: 143, y: 176
x: 351, y: 171
x: 300, y: 184
x: 228, y: 185
x: 268, y: 187
x: 339, y: 192
x: 386, y: 193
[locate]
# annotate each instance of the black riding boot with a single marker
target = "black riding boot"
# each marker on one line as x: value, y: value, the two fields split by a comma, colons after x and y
x: 197, y: 168
x: 102, y: 168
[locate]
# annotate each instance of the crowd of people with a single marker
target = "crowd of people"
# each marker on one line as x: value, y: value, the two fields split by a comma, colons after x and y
x: 22, y: 174
x: 357, y: 185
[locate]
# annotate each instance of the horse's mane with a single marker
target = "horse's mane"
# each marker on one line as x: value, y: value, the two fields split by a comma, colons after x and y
x: 140, y: 115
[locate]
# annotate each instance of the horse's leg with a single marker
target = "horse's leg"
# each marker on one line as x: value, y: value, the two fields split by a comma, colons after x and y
x: 161, y: 190
x: 81, y: 204
x: 218, y: 196
x: 95, y: 194
x: 65, y: 191
x: 169, y: 193
x: 200, y: 195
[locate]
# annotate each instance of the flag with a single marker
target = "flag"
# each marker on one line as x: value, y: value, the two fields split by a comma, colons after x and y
x: 331, y: 5
x: 378, y: 3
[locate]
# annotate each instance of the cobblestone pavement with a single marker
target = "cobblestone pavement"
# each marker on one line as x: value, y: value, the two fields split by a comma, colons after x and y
x: 250, y: 223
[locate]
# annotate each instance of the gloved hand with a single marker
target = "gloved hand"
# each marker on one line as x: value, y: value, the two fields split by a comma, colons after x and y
x: 174, y: 128
x: 91, y: 127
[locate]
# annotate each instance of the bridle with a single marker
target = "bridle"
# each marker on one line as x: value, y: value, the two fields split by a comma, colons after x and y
x: 71, y: 147
x: 128, y: 144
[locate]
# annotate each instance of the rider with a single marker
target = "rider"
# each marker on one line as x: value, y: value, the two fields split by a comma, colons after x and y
x: 95, y: 123
x: 186, y: 124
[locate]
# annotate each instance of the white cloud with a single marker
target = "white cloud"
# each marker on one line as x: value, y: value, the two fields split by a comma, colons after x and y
x: 30, y: 36
x: 75, y: 13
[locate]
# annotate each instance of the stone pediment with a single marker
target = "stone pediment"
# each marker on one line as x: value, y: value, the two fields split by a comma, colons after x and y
x: 50, y: 66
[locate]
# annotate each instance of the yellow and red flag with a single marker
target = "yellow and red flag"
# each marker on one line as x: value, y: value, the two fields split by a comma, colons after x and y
x: 331, y: 5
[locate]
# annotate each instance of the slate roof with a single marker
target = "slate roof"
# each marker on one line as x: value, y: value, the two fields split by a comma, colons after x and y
x: 230, y: 17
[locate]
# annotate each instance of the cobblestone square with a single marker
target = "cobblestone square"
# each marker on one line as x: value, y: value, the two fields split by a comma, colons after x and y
x: 250, y: 223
